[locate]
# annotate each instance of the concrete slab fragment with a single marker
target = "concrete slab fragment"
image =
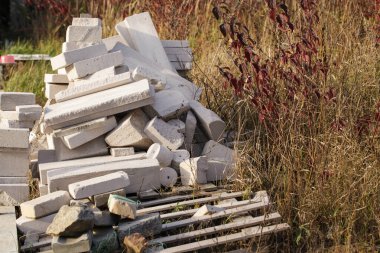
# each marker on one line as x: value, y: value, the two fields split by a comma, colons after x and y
x: 20, y: 116
x: 102, y: 199
x: 193, y: 171
x: 86, y: 22
x: 40, y: 225
x: 161, y: 132
x: 84, y: 33
x: 56, y: 78
x: 14, y: 138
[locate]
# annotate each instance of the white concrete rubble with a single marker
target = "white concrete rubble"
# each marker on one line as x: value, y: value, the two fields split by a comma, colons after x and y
x: 216, y: 151
x: 168, y: 176
x: 9, y: 100
x: 56, y: 78
x: 157, y: 79
x: 86, y: 22
x: 52, y: 89
x: 212, y: 124
x: 84, y: 33
x: 39, y: 225
x: 78, y: 244
x: 20, y: 116
x: 193, y: 171
x: 6, y: 123
x: 161, y: 153
x: 98, y: 185
x: 74, y: 45
x: 45, y: 205
x: 80, y: 127
x: 14, y: 162
x: 18, y: 191
x: 130, y: 131
x: 102, y: 199
x: 161, y: 132
x: 127, y: 151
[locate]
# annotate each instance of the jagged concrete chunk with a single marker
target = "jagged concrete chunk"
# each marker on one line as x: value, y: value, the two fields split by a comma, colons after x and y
x: 98, y: 185
x: 97, y: 105
x: 105, y: 218
x: 146, y: 225
x: 45, y: 205
x: 71, y: 221
x: 161, y: 153
x: 9, y: 100
x: 84, y: 33
x: 212, y: 124
x: 216, y: 151
x: 193, y: 171
x: 130, y: 131
x: 77, y: 139
x: 168, y: 176
x: 89, y: 66
x: 14, y: 162
x: 78, y: 244
x: 161, y: 132
x: 122, y: 206
x: 167, y: 104
x: 67, y: 58
x: 8, y: 231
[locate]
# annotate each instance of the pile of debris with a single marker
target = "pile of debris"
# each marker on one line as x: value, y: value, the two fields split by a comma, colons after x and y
x: 120, y: 121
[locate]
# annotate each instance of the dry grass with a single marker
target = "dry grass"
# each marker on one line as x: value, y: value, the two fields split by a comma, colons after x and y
x: 325, y: 183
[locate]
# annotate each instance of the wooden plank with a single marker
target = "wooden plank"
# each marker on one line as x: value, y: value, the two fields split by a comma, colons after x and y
x: 175, y: 43
x: 185, y: 203
x: 226, y: 213
x: 221, y: 240
x: 190, y: 212
x: 244, y: 223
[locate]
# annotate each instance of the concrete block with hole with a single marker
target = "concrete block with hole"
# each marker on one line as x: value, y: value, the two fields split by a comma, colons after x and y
x: 168, y: 177
x: 51, y: 89
x: 179, y: 156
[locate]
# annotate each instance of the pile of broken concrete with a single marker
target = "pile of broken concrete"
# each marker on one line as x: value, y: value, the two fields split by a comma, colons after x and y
x: 120, y: 120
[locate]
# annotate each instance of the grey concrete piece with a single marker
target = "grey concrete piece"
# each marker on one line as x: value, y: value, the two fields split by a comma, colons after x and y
x: 143, y: 175
x: 130, y: 131
x: 5, y: 123
x: 89, y: 66
x: 97, y: 105
x: 40, y: 225
x: 45, y: 205
x: 52, y: 89
x: 216, y: 151
x: 98, y: 185
x: 77, y: 139
x: 84, y: 33
x: 86, y: 22
x: 127, y: 151
x: 102, y: 199
x: 219, y: 170
x: 179, y: 124
x: 20, y: 116
x: 105, y: 219
x: 78, y: 244
x: 56, y: 78
x: 19, y: 191
x: 14, y: 162
x: 9, y: 100
x: 146, y: 225
x: 179, y: 156
x: 14, y: 138
x: 8, y: 230
x: 168, y: 177
x: 46, y: 156
x: 13, y: 180
x: 193, y: 171
x: 161, y: 132
x: 161, y: 153
x: 29, y: 108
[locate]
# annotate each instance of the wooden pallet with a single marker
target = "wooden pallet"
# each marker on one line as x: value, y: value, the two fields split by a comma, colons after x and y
x: 246, y: 216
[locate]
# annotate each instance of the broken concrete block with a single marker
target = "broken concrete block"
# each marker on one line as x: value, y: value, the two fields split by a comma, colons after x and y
x: 14, y: 162
x: 146, y: 43
x: 100, y: 104
x: 102, y: 199
x: 107, y: 72
x: 67, y: 58
x: 161, y: 132
x: 161, y: 153
x: 193, y: 171
x: 122, y: 206
x: 45, y: 205
x: 9, y: 100
x: 179, y: 156
x: 39, y: 225
x: 212, y: 124
x: 84, y: 33
x: 89, y: 66
x: 143, y: 175
x: 105, y: 219
x: 179, y: 124
x: 135, y: 243
x: 78, y: 244
x: 168, y: 177
x: 207, y: 209
x: 14, y: 138
x: 116, y: 152
x: 96, y: 147
x: 86, y: 22
x: 56, y: 78
x: 216, y: 151
x: 51, y: 89
x: 104, y: 240
x: 77, y: 139
x: 28, y: 108
x: 167, y: 104
x: 157, y: 79
x: 146, y: 225
x: 20, y: 116
x: 98, y: 185
x: 7, y: 200
x: 130, y: 132
x: 219, y: 170
x: 71, y: 221
x: 86, y: 87
x: 8, y: 231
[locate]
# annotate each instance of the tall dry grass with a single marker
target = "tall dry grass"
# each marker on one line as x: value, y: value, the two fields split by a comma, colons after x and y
x: 323, y: 176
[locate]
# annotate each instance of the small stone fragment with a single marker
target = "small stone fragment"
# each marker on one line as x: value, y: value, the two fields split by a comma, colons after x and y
x: 122, y: 206
x: 208, y: 209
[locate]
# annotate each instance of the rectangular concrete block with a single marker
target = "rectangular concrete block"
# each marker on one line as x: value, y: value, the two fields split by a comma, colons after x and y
x: 98, y: 185
x: 107, y: 72
x: 14, y: 162
x: 20, y: 116
x: 14, y: 138
x: 157, y: 79
x: 74, y: 45
x: 45, y: 205
x: 28, y: 108
x: 9, y: 100
x: 143, y: 175
x: 6, y: 123
x: 51, y: 89
x: 39, y: 225
x: 8, y: 230
x: 87, y: 87
x: 78, y: 244
x: 43, y: 189
x: 80, y: 127
x: 84, y: 33
x: 67, y: 58
x: 122, y: 206
x: 116, y: 152
x: 163, y: 133
x: 79, y: 138
x: 110, y: 42
x: 89, y: 66
x: 19, y: 192
x: 56, y: 78
x: 86, y: 22
x: 102, y: 199
x: 193, y: 171
x: 100, y: 104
